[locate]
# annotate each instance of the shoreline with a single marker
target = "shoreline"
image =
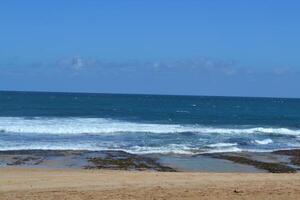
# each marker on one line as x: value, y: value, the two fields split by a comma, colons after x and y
x: 283, y: 161
x: 57, y: 174
x: 22, y: 183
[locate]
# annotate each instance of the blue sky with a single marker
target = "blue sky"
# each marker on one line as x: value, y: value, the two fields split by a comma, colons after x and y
x: 204, y: 47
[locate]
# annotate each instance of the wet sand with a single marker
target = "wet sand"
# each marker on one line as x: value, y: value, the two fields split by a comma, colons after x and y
x: 24, y: 183
x: 275, y: 162
x: 63, y: 174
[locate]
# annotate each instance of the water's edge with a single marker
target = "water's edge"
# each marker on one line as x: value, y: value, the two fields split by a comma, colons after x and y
x: 285, y: 161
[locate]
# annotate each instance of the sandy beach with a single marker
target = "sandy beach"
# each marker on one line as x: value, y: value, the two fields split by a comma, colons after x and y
x: 22, y: 183
x: 149, y: 100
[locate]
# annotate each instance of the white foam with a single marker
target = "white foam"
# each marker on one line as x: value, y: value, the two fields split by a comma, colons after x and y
x: 218, y: 145
x: 166, y: 149
x: 171, y: 148
x: 180, y: 149
x: 51, y: 147
x: 263, y: 142
x: 255, y: 130
x: 223, y: 150
x: 182, y: 111
x: 83, y: 125
x: 223, y: 147
x: 77, y: 125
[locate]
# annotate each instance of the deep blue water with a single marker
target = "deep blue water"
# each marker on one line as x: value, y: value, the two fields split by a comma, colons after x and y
x: 147, y: 123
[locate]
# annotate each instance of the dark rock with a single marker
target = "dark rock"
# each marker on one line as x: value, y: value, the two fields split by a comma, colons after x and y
x: 270, y: 167
x: 22, y: 160
x: 120, y: 160
x: 237, y: 191
x: 82, y: 159
x: 293, y: 153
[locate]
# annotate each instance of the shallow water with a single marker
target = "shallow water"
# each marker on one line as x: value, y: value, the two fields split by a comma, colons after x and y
x: 147, y: 123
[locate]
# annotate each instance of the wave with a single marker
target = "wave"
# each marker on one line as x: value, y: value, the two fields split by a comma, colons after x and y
x: 167, y: 149
x: 78, y: 125
x: 222, y: 145
x: 180, y: 149
x: 264, y: 142
x: 231, y: 149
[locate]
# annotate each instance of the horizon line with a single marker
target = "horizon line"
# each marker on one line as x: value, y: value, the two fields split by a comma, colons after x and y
x: 149, y: 94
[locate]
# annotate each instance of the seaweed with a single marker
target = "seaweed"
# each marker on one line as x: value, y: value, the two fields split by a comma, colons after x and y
x: 128, y: 162
x: 270, y: 167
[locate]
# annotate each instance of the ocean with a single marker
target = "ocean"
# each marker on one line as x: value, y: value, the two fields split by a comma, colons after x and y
x: 145, y: 124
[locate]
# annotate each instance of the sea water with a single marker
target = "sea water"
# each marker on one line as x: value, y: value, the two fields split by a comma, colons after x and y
x: 145, y: 124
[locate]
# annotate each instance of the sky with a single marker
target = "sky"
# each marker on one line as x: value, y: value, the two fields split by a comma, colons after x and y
x: 190, y: 47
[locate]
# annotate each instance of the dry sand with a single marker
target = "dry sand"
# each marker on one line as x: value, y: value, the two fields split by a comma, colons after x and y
x: 20, y: 183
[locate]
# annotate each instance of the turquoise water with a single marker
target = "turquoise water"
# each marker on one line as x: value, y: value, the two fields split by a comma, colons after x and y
x: 147, y: 123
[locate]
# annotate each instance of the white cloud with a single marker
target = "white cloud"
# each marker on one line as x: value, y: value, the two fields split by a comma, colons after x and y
x: 281, y: 70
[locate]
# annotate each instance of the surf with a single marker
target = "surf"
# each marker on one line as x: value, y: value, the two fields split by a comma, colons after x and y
x: 80, y: 125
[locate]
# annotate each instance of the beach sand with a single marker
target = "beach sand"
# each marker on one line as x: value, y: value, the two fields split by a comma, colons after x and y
x: 29, y: 183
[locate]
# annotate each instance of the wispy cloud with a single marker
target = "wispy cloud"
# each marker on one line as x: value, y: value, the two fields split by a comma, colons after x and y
x: 282, y: 70
x: 198, y: 64
x: 77, y: 66
x: 203, y: 65
x: 75, y: 63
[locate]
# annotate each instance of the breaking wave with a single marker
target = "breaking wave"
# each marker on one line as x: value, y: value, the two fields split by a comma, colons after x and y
x: 264, y: 142
x: 73, y: 125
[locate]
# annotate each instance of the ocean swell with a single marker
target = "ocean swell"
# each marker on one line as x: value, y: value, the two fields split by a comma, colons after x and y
x: 78, y: 125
